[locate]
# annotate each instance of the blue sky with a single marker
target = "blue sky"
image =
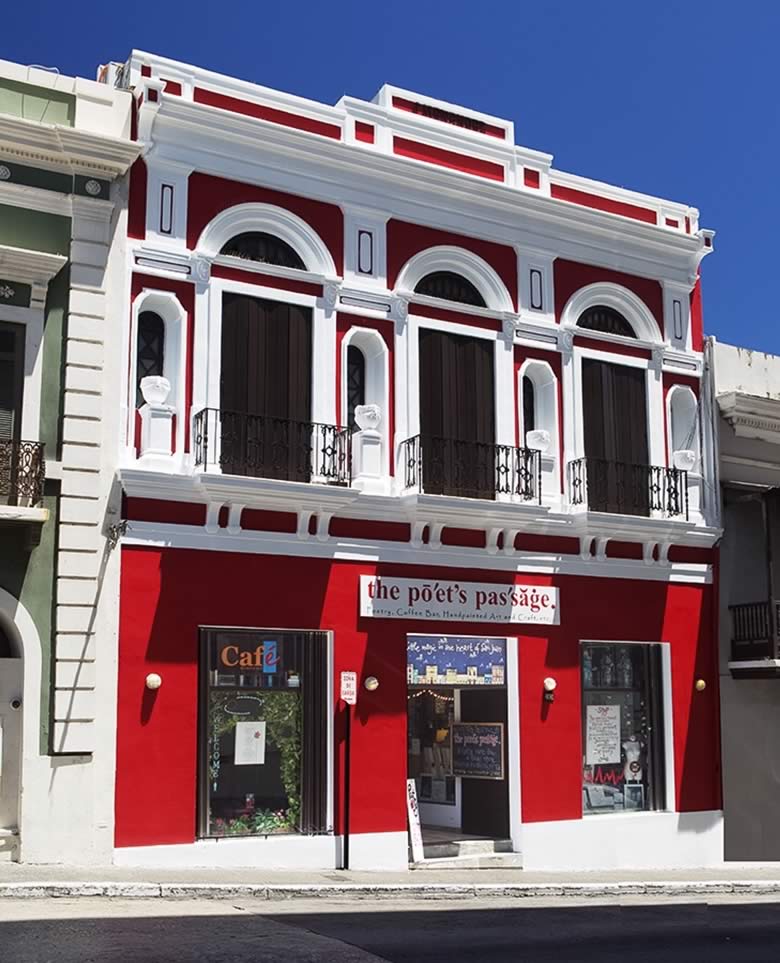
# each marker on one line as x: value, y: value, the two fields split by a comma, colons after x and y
x: 677, y: 99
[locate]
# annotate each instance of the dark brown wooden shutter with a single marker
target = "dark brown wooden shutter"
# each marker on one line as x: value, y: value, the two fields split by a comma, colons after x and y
x: 265, y: 388
x: 457, y: 414
x: 11, y: 379
x: 614, y: 401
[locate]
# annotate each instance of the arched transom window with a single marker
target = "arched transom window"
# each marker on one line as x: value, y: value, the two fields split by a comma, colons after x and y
x: 606, y: 320
x: 450, y: 287
x: 266, y: 248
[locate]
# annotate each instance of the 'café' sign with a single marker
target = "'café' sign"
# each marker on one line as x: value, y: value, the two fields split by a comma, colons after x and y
x: 408, y: 598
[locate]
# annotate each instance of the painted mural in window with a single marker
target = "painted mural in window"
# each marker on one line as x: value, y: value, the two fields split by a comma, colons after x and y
x: 356, y: 383
x: 262, y: 733
x: 150, y: 356
x: 266, y: 248
x: 606, y: 320
x: 622, y: 728
x: 450, y: 287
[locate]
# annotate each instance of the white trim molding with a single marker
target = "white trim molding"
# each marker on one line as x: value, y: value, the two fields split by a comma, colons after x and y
x: 615, y: 296
x: 271, y: 220
x: 446, y: 257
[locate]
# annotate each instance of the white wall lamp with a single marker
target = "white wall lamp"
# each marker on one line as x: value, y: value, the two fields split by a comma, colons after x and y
x: 549, y: 685
x: 371, y: 683
x: 153, y: 681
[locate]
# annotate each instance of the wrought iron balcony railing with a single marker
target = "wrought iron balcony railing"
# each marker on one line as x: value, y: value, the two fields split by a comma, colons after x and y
x: 259, y: 446
x: 22, y: 472
x: 754, y: 631
x: 624, y: 489
x: 470, y: 469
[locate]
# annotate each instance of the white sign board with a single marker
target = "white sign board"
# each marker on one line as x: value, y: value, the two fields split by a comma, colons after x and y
x: 602, y: 726
x: 250, y: 744
x: 415, y: 833
x: 409, y: 598
x: 349, y: 687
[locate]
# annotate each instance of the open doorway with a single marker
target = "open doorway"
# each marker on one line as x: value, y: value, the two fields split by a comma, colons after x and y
x: 457, y: 744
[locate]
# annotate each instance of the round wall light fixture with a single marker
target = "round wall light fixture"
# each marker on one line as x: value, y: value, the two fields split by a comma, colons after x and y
x: 371, y: 683
x: 153, y: 681
x: 549, y: 685
x: 701, y: 685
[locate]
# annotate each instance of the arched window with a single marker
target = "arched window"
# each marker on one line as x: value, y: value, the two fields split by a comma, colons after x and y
x: 356, y: 382
x: 684, y: 421
x: 450, y: 287
x: 607, y: 320
x: 266, y: 248
x: 151, y: 349
x: 529, y: 406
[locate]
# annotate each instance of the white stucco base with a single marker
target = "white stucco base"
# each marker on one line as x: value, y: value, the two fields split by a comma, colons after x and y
x: 381, y: 851
x: 626, y: 841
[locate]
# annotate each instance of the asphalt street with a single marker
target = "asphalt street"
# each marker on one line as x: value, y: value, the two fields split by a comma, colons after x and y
x: 158, y: 931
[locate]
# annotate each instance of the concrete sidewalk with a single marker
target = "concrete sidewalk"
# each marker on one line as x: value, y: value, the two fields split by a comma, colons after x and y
x: 111, y: 881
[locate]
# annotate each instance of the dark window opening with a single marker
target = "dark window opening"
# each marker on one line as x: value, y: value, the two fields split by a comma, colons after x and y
x: 622, y: 728
x: 11, y: 379
x: 6, y: 648
x: 151, y: 350
x: 263, y: 733
x: 356, y: 382
x: 606, y: 320
x: 529, y: 406
x: 266, y: 248
x: 450, y: 287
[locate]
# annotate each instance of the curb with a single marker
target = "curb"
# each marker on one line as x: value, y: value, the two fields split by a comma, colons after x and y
x: 432, y: 891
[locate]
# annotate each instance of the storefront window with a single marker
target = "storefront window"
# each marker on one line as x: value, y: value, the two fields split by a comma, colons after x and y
x: 263, y: 749
x: 622, y: 728
x: 431, y: 714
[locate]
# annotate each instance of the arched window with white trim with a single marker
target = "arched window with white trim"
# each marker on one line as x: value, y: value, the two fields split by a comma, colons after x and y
x: 538, y: 417
x: 683, y: 427
x: 365, y: 380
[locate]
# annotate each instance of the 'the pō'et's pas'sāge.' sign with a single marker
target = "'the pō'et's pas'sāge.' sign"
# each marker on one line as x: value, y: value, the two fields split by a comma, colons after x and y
x: 407, y: 598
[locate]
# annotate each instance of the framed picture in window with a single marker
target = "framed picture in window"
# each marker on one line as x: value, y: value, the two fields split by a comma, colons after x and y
x: 634, y: 795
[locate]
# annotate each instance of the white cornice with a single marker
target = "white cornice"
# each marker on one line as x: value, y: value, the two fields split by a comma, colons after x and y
x: 254, y: 151
x: 29, y: 267
x: 752, y: 416
x: 59, y: 147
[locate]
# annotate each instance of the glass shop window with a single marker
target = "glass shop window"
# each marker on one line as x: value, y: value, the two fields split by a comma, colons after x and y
x: 622, y: 728
x: 263, y: 733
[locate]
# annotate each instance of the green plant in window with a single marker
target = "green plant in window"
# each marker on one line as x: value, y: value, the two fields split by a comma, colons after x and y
x: 281, y: 712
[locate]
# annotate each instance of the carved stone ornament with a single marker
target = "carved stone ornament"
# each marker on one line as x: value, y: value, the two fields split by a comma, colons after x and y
x: 5, y: 173
x: 155, y: 389
x: 92, y: 187
x: 684, y: 459
x: 368, y: 417
x: 201, y: 269
x: 6, y: 292
x: 566, y: 340
x: 401, y: 309
x: 510, y: 324
x: 538, y: 440
x: 658, y: 356
x: 330, y: 295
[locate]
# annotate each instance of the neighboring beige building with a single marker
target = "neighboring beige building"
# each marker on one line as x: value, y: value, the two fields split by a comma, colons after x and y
x: 748, y: 396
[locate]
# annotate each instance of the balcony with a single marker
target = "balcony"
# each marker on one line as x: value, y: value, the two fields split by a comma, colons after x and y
x: 753, y: 631
x: 22, y: 473
x: 258, y: 446
x: 470, y: 469
x: 623, y: 489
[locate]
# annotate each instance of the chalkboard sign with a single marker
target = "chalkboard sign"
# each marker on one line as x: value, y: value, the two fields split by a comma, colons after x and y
x: 478, y: 750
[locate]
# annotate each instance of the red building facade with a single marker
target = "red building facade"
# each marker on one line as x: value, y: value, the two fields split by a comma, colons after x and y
x: 402, y: 400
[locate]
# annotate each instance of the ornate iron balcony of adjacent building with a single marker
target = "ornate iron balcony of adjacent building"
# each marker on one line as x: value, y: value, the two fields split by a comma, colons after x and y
x: 259, y: 446
x: 754, y: 631
x: 470, y: 469
x: 624, y: 489
x: 22, y: 473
